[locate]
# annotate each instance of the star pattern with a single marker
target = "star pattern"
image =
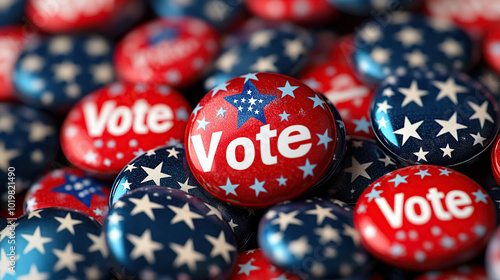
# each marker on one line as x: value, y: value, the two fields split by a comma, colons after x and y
x: 442, y: 119
x: 81, y: 188
x: 58, y: 79
x: 321, y: 227
x: 248, y: 109
x: 394, y: 46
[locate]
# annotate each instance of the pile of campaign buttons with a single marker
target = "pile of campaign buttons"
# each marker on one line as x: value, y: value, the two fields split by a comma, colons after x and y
x: 249, y: 139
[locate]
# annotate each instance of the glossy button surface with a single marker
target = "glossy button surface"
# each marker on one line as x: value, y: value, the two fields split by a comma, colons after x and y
x: 261, y: 138
x: 408, y: 42
x: 111, y: 126
x: 364, y: 162
x: 297, y: 11
x: 281, y: 48
x: 314, y: 238
x: 159, y: 232
x: 173, y: 51
x: 252, y: 264
x: 220, y: 14
x: 167, y: 166
x: 69, y: 187
x: 336, y: 80
x: 424, y: 217
x: 55, y: 243
x: 78, y: 16
x: 58, y: 71
x: 436, y: 118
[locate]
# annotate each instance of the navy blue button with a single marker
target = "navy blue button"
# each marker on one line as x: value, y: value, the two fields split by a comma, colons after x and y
x: 54, y: 243
x: 167, y: 166
x: 11, y: 11
x: 364, y: 163
x: 370, y: 7
x: 314, y: 239
x: 282, y: 49
x: 490, y: 80
x: 28, y: 144
x: 434, y: 118
x: 60, y: 70
x: 406, y: 42
x: 164, y: 233
x: 218, y: 13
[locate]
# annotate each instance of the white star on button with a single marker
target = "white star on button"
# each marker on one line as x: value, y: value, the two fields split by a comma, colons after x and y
x: 155, y: 174
x: 409, y: 130
x: 412, y: 94
x: 450, y: 126
x: 144, y: 205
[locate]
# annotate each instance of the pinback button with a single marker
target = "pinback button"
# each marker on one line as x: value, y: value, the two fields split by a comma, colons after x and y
x: 13, y: 38
x: 167, y: 166
x: 28, y: 144
x: 78, y: 16
x: 252, y: 264
x: 352, y: 98
x: 174, y: 51
x: 55, y: 243
x: 164, y: 233
x: 409, y: 42
x: 424, y: 217
x: 369, y: 7
x: 314, y: 11
x: 70, y: 188
x: 437, y: 118
x: 220, y: 14
x: 114, y: 124
x: 491, y: 48
x: 261, y: 138
x: 465, y: 272
x: 364, y: 162
x: 56, y: 73
x: 314, y: 239
x: 279, y: 48
x: 474, y: 16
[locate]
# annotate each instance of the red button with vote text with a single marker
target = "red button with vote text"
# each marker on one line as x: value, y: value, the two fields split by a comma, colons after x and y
x: 261, y: 138
x: 111, y: 126
x: 424, y: 217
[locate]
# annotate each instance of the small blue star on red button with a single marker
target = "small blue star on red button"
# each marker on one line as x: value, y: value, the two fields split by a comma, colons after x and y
x: 317, y: 232
x: 409, y: 42
x: 54, y: 243
x: 434, y: 118
x: 167, y: 166
x: 364, y: 163
x: 164, y: 233
x: 60, y: 70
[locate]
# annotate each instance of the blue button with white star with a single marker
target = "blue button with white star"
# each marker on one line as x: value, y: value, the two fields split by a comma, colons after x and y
x: 314, y: 238
x: 54, y: 243
x: 364, y: 162
x: 164, y: 233
x: 218, y: 13
x: 408, y: 42
x: 58, y: 71
x: 28, y: 144
x: 167, y: 166
x: 282, y: 49
x: 435, y: 118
